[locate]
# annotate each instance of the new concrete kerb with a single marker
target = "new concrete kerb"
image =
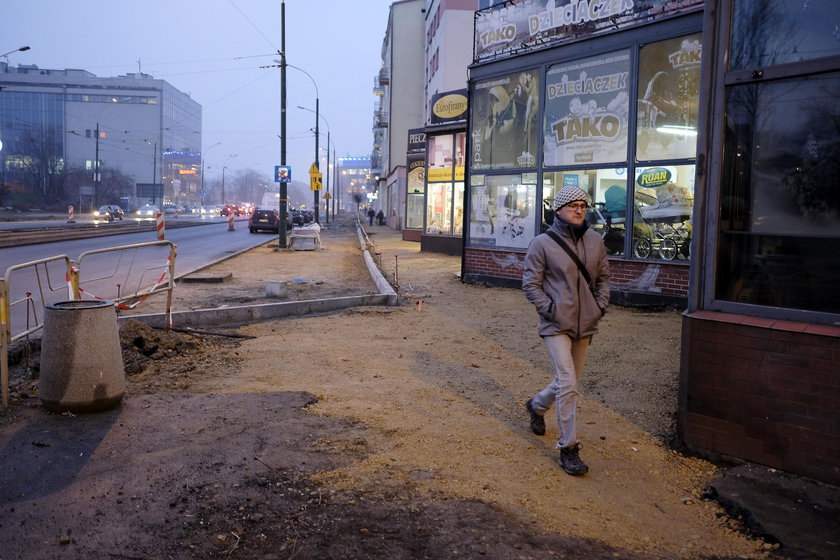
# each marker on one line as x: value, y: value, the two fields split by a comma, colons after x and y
x: 235, y: 316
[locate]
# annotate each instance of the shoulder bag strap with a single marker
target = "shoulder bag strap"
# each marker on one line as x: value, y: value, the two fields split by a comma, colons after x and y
x: 574, y: 257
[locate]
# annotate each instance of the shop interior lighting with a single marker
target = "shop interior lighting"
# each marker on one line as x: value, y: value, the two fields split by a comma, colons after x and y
x: 680, y: 130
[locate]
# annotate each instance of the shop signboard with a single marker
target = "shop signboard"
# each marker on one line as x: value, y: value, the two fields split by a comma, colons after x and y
x: 450, y: 106
x: 416, y: 140
x: 513, y: 28
x: 586, y: 110
x: 504, y: 127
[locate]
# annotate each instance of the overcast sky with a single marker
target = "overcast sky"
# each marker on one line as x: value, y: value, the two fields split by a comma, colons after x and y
x: 213, y: 50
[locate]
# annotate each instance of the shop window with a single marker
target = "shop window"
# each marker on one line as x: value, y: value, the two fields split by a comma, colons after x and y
x: 504, y: 121
x: 608, y: 190
x: 770, y: 32
x: 502, y: 210
x: 439, y: 208
x: 586, y: 110
x: 663, y: 199
x: 415, y: 210
x: 458, y: 209
x: 445, y: 208
x: 439, y: 153
x: 779, y: 238
x: 668, y: 99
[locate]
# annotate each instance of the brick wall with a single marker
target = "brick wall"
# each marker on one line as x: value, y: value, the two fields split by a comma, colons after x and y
x: 762, y: 390
x: 655, y: 277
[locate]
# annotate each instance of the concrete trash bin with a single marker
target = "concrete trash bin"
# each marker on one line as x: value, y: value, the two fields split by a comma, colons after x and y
x: 81, y: 360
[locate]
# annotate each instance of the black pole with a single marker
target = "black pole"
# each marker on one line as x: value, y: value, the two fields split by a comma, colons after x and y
x: 96, y: 170
x: 316, y: 194
x: 327, y: 182
x: 284, y: 191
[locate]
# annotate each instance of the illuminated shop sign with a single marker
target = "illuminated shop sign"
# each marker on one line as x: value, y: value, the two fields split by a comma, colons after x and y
x: 449, y: 106
x: 508, y: 28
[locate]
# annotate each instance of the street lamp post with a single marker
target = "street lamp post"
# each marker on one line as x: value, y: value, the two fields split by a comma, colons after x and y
x: 317, y: 102
x: 20, y: 49
x: 97, y: 180
x: 317, y: 158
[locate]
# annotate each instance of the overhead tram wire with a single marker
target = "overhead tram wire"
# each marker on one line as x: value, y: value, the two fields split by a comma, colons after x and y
x: 257, y: 29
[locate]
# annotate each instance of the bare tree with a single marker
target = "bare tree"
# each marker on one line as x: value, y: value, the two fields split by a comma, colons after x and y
x: 358, y: 197
x: 43, y: 160
x: 249, y: 185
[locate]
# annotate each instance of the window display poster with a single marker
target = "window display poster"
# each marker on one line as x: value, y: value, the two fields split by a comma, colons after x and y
x: 514, y: 204
x: 504, y: 125
x: 669, y: 91
x: 440, y: 157
x: 416, y: 174
x: 502, y: 212
x: 482, y: 216
x: 586, y: 110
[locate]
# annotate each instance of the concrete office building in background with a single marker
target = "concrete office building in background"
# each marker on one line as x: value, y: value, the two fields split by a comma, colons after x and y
x: 148, y: 131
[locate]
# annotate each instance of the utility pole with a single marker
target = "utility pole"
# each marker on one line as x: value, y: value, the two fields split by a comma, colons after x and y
x: 284, y: 190
x: 327, y: 182
x: 96, y: 169
x: 316, y: 193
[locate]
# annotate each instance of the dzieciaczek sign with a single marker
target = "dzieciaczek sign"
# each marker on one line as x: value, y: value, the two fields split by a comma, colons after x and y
x: 530, y: 24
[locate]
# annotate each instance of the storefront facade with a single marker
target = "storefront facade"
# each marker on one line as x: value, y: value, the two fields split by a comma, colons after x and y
x: 760, y: 374
x: 446, y: 151
x: 603, y: 98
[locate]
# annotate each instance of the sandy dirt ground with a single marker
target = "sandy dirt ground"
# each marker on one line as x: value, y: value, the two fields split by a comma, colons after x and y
x: 386, y: 431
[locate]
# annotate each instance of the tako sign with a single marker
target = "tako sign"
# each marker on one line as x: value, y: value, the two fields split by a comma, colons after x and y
x: 528, y: 24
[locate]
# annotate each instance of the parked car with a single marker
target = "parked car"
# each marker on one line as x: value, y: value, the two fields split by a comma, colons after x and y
x: 104, y: 213
x: 148, y: 210
x: 230, y: 209
x: 266, y: 219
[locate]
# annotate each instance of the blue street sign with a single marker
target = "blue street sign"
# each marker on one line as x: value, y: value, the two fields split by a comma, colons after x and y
x: 282, y: 173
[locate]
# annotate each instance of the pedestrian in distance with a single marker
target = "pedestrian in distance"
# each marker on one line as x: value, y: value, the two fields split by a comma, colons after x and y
x: 380, y: 218
x: 371, y: 214
x: 569, y: 287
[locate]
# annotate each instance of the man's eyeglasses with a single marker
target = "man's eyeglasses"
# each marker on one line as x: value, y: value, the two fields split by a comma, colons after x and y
x: 577, y: 206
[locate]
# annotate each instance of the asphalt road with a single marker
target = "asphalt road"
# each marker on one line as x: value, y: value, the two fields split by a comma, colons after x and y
x: 105, y: 275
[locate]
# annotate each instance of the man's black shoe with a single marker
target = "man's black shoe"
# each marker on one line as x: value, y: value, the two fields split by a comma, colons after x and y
x: 570, y: 461
x: 537, y: 421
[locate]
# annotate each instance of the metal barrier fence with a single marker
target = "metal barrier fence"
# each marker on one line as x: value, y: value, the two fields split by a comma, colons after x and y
x: 134, y: 287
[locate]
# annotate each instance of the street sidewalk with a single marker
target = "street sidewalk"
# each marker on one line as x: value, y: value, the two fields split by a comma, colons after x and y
x: 801, y: 514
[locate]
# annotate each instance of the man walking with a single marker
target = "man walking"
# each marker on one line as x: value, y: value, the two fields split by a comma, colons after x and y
x: 569, y: 287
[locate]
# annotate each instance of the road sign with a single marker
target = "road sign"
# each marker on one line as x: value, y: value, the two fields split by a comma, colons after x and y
x: 315, y: 182
x: 315, y: 178
x: 327, y: 196
x: 282, y: 173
